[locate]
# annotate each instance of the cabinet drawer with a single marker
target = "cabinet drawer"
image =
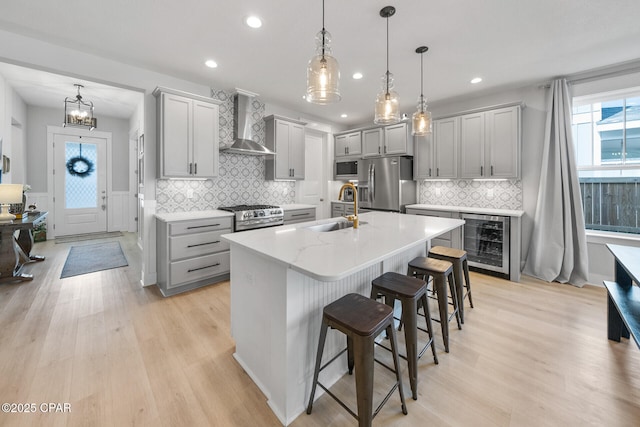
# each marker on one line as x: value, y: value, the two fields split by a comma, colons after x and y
x: 199, y: 225
x: 300, y: 215
x: 190, y: 245
x: 199, y: 268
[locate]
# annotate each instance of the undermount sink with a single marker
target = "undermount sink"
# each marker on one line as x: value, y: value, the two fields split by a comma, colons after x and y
x: 333, y: 226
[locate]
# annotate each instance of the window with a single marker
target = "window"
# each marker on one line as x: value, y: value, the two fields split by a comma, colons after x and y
x: 606, y: 136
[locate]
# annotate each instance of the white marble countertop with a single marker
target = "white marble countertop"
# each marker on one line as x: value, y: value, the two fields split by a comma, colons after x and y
x: 296, y: 206
x: 465, y: 209
x: 185, y: 216
x: 330, y: 256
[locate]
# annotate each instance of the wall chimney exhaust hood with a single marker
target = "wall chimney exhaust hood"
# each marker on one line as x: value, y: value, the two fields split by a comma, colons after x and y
x: 242, y: 133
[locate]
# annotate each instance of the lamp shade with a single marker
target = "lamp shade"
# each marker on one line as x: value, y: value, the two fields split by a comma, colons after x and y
x: 387, y: 109
x: 323, y: 73
x: 421, y: 120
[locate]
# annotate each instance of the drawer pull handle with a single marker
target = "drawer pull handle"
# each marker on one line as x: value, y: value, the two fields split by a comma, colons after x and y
x: 202, y: 226
x: 301, y: 214
x: 203, y: 244
x: 202, y: 268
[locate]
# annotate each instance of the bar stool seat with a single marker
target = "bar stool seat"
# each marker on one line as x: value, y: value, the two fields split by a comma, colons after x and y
x: 442, y: 272
x: 361, y: 319
x: 412, y: 294
x: 458, y: 257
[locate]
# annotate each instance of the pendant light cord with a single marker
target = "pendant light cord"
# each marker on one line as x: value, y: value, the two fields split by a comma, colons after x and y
x: 387, y: 55
x: 421, y: 82
x: 324, y: 32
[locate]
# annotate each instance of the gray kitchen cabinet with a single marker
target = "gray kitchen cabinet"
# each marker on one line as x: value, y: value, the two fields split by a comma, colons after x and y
x: 348, y: 144
x: 451, y: 239
x: 191, y: 253
x: 490, y: 144
x: 436, y: 154
x: 188, y: 134
x: 398, y: 140
x: 337, y: 209
x: 286, y: 137
x: 299, y: 215
x: 372, y: 142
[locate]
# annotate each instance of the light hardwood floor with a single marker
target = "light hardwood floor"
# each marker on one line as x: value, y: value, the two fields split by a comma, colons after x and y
x: 529, y: 354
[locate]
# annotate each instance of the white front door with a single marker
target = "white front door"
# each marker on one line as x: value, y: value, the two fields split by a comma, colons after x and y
x: 312, y: 189
x: 80, y: 177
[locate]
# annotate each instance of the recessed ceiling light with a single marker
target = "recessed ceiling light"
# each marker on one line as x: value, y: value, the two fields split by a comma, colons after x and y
x: 211, y: 63
x: 344, y: 116
x: 476, y: 80
x: 253, y: 21
x: 357, y: 76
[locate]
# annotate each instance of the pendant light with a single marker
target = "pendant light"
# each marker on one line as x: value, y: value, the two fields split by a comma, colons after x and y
x: 323, y: 72
x: 78, y: 112
x: 421, y: 118
x: 387, y: 110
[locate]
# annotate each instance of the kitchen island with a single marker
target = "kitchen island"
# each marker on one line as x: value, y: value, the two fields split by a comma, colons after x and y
x: 282, y: 277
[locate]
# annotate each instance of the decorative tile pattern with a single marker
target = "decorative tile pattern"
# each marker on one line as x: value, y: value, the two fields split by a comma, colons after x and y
x: 477, y: 194
x: 240, y: 179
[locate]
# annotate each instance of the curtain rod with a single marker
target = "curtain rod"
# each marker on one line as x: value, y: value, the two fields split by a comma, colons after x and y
x: 594, y: 75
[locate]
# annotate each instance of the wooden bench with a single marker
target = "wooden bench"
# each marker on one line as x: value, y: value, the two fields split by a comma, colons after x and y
x: 623, y: 311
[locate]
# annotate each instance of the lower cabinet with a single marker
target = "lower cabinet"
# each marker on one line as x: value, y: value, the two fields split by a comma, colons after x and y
x: 191, y: 253
x: 299, y: 215
x: 343, y: 209
x: 451, y: 239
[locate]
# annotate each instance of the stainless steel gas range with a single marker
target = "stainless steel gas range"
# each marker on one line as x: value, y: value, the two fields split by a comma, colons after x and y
x: 250, y: 217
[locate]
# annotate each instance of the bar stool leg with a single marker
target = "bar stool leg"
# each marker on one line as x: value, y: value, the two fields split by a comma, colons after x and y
x: 316, y: 372
x: 363, y: 347
x: 427, y: 314
x: 457, y: 276
x: 465, y: 267
x: 443, y: 308
x: 350, y: 361
x: 409, y: 315
x: 454, y: 296
x: 396, y: 364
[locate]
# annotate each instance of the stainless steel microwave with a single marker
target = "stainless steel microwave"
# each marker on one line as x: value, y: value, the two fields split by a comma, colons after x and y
x: 345, y: 169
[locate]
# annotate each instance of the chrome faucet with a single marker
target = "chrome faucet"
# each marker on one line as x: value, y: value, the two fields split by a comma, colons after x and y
x: 353, y: 217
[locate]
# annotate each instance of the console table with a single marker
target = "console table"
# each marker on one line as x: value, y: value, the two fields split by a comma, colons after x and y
x: 15, y: 252
x: 623, y: 298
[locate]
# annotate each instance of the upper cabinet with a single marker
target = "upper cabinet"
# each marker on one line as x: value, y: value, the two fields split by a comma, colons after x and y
x: 188, y: 133
x: 348, y: 144
x: 398, y: 140
x: 285, y: 137
x: 490, y: 144
x: 436, y: 154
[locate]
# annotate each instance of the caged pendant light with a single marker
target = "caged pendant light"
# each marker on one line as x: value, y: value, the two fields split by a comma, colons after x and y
x: 422, y: 118
x: 323, y: 72
x: 387, y: 109
x: 78, y: 112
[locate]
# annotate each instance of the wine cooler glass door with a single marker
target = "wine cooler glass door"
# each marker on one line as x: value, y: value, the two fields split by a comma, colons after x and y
x: 486, y: 240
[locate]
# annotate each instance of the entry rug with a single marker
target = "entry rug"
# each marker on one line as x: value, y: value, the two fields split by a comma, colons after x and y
x: 90, y: 258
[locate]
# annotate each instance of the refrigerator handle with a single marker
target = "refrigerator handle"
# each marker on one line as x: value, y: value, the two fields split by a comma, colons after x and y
x: 372, y: 180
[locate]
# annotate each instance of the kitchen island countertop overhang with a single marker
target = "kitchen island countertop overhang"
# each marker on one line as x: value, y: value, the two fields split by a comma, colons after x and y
x: 333, y: 255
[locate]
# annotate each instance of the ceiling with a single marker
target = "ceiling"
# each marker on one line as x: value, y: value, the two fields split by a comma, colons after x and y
x: 507, y: 43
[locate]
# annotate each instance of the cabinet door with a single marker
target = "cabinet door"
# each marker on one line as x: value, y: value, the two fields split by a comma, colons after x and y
x: 354, y: 144
x: 446, y: 146
x: 205, y: 139
x: 396, y: 139
x: 282, y: 136
x: 372, y: 142
x: 502, y: 149
x: 337, y: 210
x: 296, y: 150
x: 176, y: 135
x: 472, y: 139
x: 340, y: 146
x: 422, y: 159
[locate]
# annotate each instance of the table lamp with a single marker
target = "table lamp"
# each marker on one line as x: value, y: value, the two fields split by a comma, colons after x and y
x: 9, y: 193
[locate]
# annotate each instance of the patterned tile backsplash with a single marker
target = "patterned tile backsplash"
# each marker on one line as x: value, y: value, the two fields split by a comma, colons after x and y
x: 240, y: 179
x: 469, y: 193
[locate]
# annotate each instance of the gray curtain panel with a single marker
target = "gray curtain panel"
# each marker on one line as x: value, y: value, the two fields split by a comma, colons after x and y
x: 558, y: 248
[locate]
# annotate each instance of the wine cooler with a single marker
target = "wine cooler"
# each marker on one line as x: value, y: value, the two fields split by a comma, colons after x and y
x: 486, y: 240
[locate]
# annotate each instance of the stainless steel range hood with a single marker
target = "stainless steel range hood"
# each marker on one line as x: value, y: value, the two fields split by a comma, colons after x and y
x: 242, y: 133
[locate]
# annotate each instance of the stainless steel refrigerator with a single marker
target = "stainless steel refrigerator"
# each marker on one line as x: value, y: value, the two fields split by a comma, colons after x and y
x: 386, y: 183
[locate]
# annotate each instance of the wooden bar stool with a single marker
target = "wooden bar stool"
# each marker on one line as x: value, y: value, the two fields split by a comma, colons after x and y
x: 458, y: 258
x: 412, y: 293
x: 442, y: 272
x: 361, y: 319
